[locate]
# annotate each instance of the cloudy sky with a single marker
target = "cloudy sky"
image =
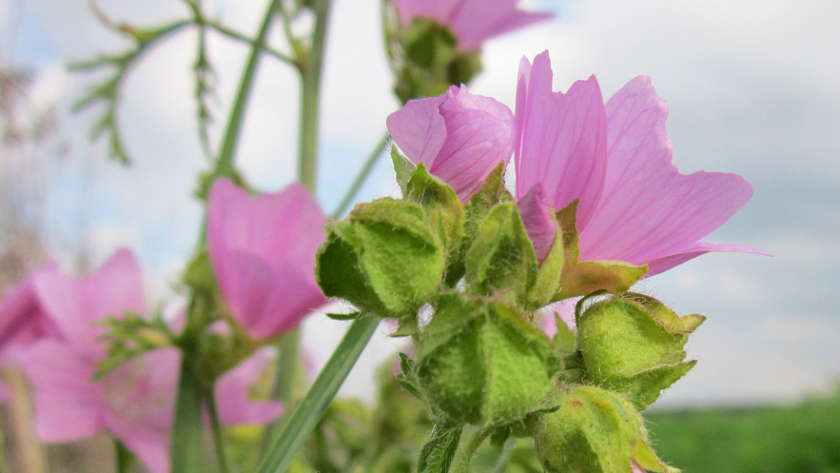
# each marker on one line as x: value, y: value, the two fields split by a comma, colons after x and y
x: 752, y: 89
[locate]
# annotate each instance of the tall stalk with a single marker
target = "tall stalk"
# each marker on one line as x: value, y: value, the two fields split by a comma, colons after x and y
x: 186, y: 432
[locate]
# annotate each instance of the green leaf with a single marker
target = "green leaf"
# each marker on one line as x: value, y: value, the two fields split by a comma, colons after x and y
x: 437, y: 454
x: 323, y: 390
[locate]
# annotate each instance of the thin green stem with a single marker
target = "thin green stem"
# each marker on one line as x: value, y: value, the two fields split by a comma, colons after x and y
x: 216, y: 426
x: 123, y: 457
x: 504, y: 457
x: 471, y: 438
x: 285, y: 378
x: 227, y: 151
x: 233, y: 34
x: 186, y: 433
x: 361, y: 177
x: 314, y: 404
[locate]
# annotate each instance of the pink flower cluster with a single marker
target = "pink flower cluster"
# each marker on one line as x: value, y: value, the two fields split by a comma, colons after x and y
x: 614, y: 158
x: 263, y: 252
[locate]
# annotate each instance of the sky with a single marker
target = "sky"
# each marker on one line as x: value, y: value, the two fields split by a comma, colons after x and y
x: 751, y: 86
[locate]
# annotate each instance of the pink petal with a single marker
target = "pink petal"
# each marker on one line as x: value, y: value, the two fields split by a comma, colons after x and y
x: 22, y: 320
x: 538, y: 220
x: 474, y: 21
x: 565, y: 309
x: 140, y: 395
x: 151, y: 444
x: 660, y: 265
x: 68, y: 406
x: 460, y: 137
x: 438, y: 10
x: 649, y: 210
x: 418, y: 129
x: 77, y: 304
x: 479, y: 136
x: 5, y: 394
x: 635, y: 468
x: 233, y: 399
x: 263, y: 252
x: 563, y: 139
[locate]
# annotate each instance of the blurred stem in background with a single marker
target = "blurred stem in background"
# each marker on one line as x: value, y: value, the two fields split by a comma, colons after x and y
x: 186, y: 432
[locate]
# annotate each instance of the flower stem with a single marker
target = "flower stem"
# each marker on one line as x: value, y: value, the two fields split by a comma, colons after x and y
x: 361, y: 177
x: 471, y: 438
x: 186, y: 432
x: 216, y: 426
x: 123, y: 457
x: 314, y: 404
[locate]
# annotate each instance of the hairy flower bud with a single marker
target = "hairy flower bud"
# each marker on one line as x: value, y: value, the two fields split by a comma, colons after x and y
x: 481, y: 362
x: 385, y: 258
x: 593, y: 431
x: 633, y: 344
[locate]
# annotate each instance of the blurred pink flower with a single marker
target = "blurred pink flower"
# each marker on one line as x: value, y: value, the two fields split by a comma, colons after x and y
x: 472, y: 22
x: 134, y: 402
x: 634, y: 205
x: 458, y: 136
x: 22, y: 318
x: 232, y: 392
x: 263, y: 252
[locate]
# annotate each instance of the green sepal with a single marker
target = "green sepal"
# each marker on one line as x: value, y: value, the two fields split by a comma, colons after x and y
x: 592, y: 431
x: 647, y: 458
x: 489, y: 194
x: 384, y: 258
x: 441, y: 204
x: 635, y: 345
x: 437, y: 454
x: 548, y: 275
x: 403, y: 168
x: 582, y: 278
x: 344, y: 317
x: 199, y: 274
x: 501, y: 260
x: 565, y: 340
x: 482, y: 362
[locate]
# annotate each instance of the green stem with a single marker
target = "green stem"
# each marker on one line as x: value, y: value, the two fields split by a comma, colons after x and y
x: 227, y: 151
x: 235, y: 35
x: 361, y: 177
x: 504, y: 457
x: 216, y: 426
x: 314, y: 404
x: 186, y: 433
x: 471, y: 438
x: 285, y: 378
x: 124, y: 457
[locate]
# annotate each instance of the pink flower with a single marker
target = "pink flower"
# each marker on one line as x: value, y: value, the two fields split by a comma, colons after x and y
x: 232, y: 392
x: 458, y: 136
x: 263, y: 252
x: 22, y: 319
x: 134, y: 402
x: 472, y: 22
x: 634, y: 205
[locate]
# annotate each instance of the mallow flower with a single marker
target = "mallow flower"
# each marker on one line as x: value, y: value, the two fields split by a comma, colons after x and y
x: 615, y: 159
x: 135, y: 401
x: 472, y: 22
x: 263, y: 253
x: 22, y: 319
x: 458, y: 136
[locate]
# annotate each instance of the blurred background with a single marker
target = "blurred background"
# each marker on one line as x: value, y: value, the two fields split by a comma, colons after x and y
x: 752, y: 88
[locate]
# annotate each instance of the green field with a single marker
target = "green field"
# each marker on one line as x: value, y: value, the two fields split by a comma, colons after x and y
x: 796, y: 439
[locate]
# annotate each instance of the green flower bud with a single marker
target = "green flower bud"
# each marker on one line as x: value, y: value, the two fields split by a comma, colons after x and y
x: 199, y: 274
x: 427, y: 61
x: 633, y: 344
x: 502, y: 259
x: 385, y: 258
x: 593, y: 431
x: 481, y: 362
x: 441, y: 203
